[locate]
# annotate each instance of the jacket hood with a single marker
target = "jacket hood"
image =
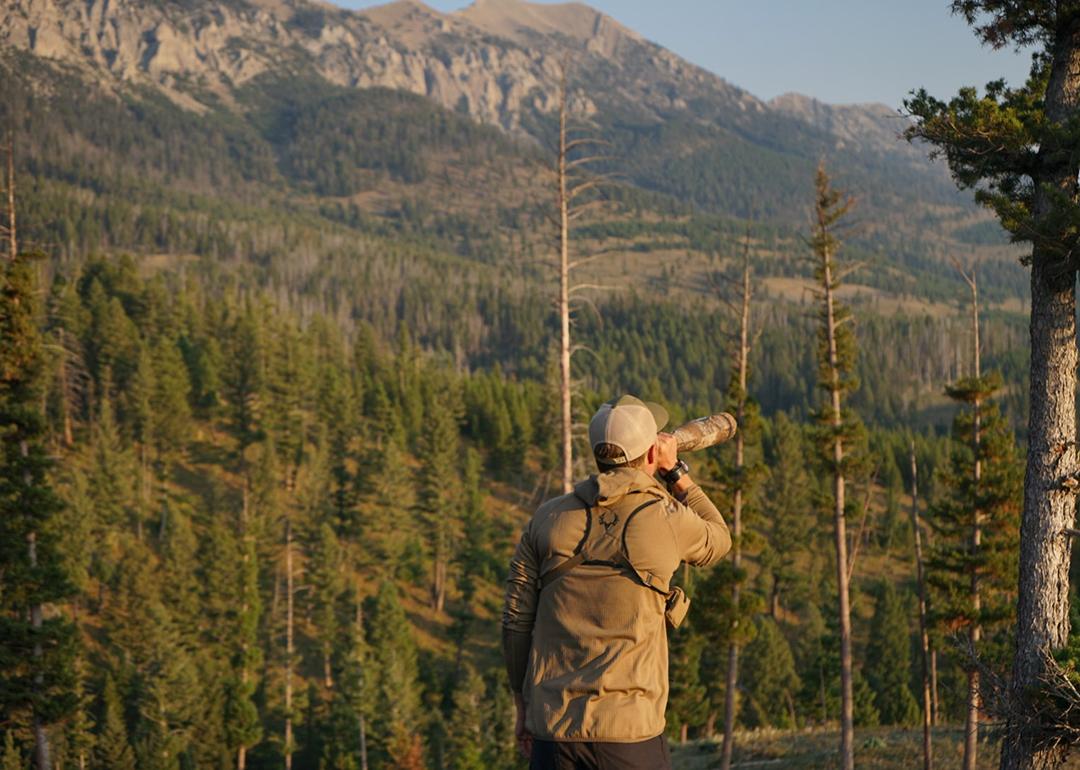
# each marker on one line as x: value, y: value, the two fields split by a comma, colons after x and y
x: 611, y: 486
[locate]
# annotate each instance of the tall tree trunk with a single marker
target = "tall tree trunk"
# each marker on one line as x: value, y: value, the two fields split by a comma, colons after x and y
x: 1042, y: 623
x: 732, y: 679
x: 247, y: 540
x: 359, y: 626
x: 971, y: 723
x: 847, y: 729
x: 924, y: 637
x: 41, y: 737
x: 564, y: 300
x: 13, y: 243
x: 66, y: 392
x: 934, y: 700
x: 288, y: 643
x: 438, y: 569
x: 363, y: 743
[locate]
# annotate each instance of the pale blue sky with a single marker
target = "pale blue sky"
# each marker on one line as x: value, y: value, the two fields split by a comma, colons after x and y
x: 839, y: 51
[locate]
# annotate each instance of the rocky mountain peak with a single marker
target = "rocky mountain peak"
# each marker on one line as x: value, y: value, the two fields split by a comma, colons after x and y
x: 497, y: 60
x: 525, y: 22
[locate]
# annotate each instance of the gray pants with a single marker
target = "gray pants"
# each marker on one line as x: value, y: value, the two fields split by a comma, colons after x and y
x: 652, y: 754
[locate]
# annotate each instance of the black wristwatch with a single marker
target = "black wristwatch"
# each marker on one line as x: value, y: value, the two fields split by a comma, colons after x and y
x: 676, y: 473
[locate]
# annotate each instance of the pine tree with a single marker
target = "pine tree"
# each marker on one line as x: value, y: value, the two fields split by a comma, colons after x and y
x: 170, y: 398
x: 396, y: 691
x: 1011, y: 145
x: 501, y: 749
x: 141, y: 410
x: 352, y: 699
x: 327, y: 585
x: 80, y: 727
x: 838, y: 429
x: 687, y: 704
x: 438, y: 486
x: 12, y: 758
x: 956, y: 563
x: 465, y: 749
x: 113, y: 750
x: 244, y: 381
x: 36, y: 686
x: 244, y: 728
x: 864, y: 708
x: 769, y: 678
x: 787, y: 515
x: 888, y: 660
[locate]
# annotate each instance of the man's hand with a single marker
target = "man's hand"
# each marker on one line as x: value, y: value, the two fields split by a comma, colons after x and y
x: 523, y: 736
x: 667, y: 452
x: 667, y: 455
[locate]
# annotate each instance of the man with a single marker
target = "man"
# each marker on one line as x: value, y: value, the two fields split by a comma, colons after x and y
x: 584, y: 635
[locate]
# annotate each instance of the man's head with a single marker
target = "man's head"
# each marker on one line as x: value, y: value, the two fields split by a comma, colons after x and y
x: 623, y: 432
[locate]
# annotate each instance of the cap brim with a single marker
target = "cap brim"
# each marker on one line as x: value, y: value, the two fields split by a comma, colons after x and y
x: 659, y: 414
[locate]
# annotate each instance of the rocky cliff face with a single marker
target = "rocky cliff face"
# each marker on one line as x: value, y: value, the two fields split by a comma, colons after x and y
x: 496, y: 60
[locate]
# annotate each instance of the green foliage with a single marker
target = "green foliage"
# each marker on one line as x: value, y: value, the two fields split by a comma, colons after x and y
x: 465, y: 749
x: 992, y: 503
x: 176, y: 540
x: 888, y: 660
x: 863, y: 701
x: 396, y: 691
x: 787, y: 511
x: 36, y: 650
x: 12, y: 758
x: 113, y: 749
x: 771, y: 681
x: 687, y: 703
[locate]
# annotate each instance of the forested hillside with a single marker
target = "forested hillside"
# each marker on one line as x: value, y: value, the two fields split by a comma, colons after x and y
x: 226, y: 466
x: 297, y: 363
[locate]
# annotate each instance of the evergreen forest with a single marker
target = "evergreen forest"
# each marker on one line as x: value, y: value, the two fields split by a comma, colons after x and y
x: 279, y: 386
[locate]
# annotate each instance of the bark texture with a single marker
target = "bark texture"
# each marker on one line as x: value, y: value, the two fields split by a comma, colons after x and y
x: 1049, y: 506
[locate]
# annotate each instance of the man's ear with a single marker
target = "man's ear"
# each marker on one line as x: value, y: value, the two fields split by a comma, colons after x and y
x: 650, y: 457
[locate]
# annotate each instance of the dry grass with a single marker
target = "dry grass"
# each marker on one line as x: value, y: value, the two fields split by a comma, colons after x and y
x: 882, y: 748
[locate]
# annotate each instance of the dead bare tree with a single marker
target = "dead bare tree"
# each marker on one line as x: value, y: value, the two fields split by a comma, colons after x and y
x: 924, y: 637
x: 571, y: 187
x: 9, y: 230
x: 975, y: 396
x: 289, y: 619
x: 743, y: 342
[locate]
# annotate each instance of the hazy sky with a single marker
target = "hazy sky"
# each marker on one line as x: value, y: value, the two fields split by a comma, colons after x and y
x: 839, y: 51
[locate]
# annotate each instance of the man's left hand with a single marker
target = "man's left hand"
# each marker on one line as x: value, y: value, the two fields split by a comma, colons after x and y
x: 667, y: 452
x: 523, y: 736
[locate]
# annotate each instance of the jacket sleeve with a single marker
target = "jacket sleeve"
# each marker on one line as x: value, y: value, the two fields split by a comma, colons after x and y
x: 700, y: 531
x: 519, y: 609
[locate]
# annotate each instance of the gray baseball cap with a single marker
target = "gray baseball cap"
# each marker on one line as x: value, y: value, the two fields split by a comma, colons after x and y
x: 629, y: 423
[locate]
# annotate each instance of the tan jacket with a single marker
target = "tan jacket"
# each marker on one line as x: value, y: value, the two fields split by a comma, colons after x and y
x: 589, y: 651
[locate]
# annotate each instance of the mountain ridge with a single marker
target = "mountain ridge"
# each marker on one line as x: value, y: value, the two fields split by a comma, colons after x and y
x: 496, y: 60
x: 296, y: 97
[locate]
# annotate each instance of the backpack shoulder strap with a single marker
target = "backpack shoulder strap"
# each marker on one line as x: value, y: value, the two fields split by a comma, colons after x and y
x: 647, y: 579
x: 581, y: 553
